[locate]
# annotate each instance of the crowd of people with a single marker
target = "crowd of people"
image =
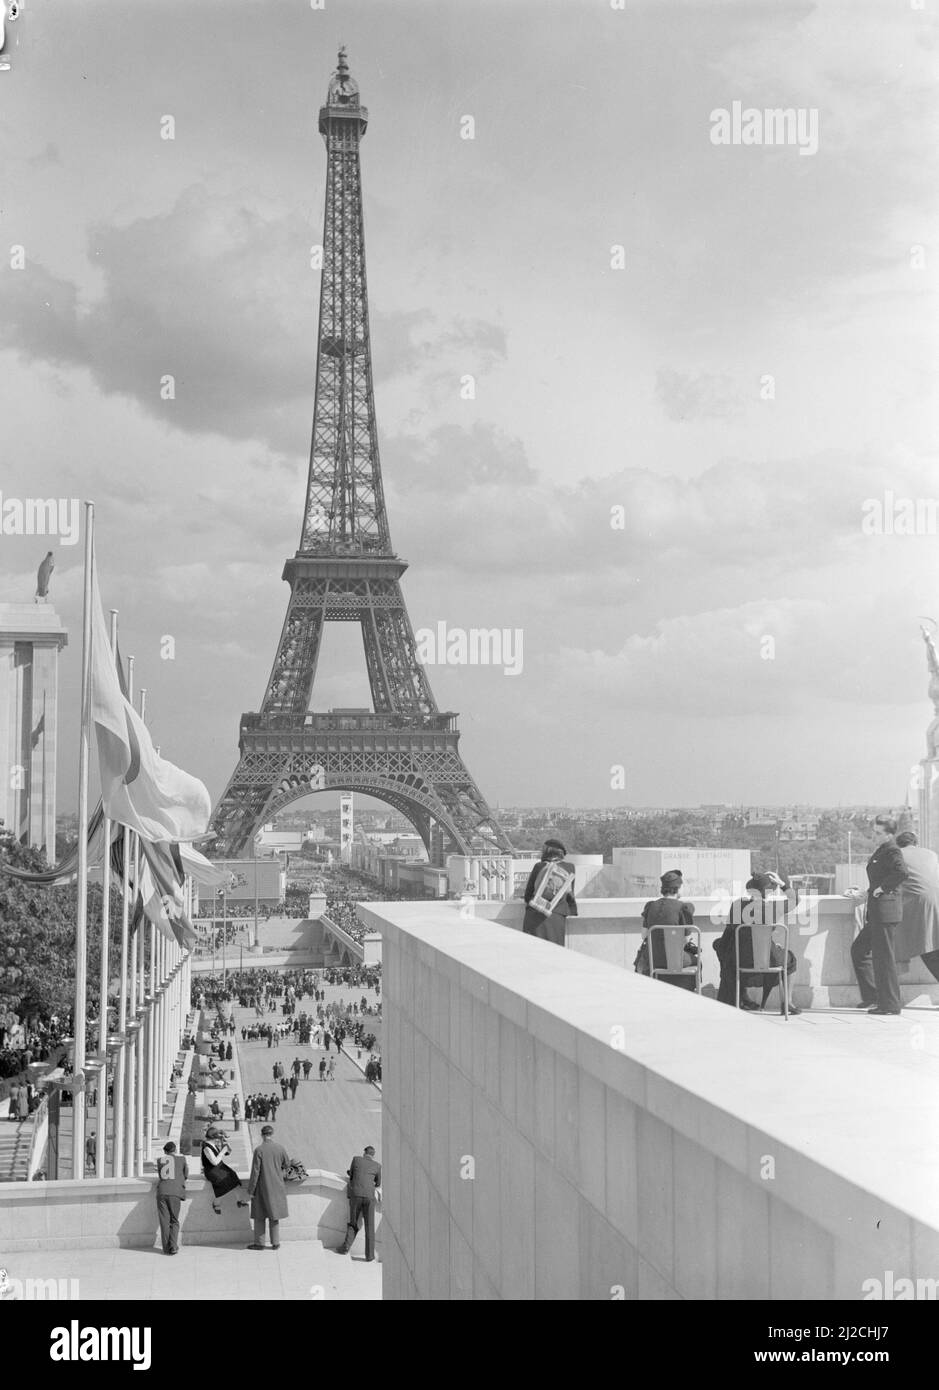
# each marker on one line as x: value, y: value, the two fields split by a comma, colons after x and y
x: 276, y: 998
x: 39, y: 1041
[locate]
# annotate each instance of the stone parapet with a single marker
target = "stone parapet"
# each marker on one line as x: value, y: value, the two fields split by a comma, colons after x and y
x: 558, y: 1129
x: 103, y: 1213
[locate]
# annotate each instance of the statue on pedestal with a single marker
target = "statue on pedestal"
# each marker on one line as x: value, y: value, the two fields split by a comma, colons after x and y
x: 45, y: 574
x: 932, y: 658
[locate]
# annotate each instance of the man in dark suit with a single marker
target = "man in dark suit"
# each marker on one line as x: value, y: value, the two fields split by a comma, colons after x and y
x: 172, y: 1172
x: 886, y: 871
x: 364, y: 1182
x: 550, y: 928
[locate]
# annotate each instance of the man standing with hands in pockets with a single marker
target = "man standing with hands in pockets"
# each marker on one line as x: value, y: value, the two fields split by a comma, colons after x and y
x: 172, y: 1172
x: 886, y: 871
x: 266, y: 1188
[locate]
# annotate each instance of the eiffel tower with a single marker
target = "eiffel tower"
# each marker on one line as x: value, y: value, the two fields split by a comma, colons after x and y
x: 406, y: 752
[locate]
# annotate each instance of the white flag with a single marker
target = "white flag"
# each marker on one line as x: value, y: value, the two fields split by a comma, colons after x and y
x: 138, y: 787
x: 206, y: 874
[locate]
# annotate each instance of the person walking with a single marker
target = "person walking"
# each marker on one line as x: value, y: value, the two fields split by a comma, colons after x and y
x: 172, y: 1171
x: 874, y: 944
x: 307, y: 1068
x: 327, y: 1039
x: 363, y: 1192
x: 266, y: 1188
x: 292, y: 1083
x: 918, y: 933
x: 331, y: 1069
x: 236, y: 1112
x: 322, y: 1069
x: 283, y: 1086
x: 91, y: 1147
x: 551, y: 866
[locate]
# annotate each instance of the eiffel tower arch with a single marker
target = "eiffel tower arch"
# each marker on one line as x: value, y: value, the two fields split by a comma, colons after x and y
x: 404, y: 751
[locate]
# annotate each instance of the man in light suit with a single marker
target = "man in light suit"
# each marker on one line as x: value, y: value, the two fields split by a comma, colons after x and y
x: 269, y: 1167
x: 918, y: 933
x: 364, y: 1182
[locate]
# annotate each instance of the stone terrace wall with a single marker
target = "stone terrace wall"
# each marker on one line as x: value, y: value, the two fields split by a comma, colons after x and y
x: 609, y: 930
x: 556, y: 1128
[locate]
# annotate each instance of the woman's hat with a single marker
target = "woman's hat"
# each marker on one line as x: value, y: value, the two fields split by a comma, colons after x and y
x: 671, y: 880
x: 267, y: 1129
x: 555, y: 844
x: 212, y: 1134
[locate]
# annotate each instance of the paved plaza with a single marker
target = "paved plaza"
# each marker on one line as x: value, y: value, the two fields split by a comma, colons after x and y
x: 298, y: 1270
x: 329, y: 1121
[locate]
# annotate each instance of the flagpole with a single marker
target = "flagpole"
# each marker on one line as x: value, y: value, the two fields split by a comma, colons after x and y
x: 140, y: 1109
x: 162, y: 956
x: 146, y: 999
x: 81, y: 912
x: 156, y: 986
x: 101, y: 1146
x: 129, y: 988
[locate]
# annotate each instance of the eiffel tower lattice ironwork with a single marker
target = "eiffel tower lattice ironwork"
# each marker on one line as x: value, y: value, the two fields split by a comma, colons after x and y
x: 406, y: 752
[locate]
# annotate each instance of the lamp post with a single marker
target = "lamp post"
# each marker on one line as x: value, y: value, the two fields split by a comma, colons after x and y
x: 255, y: 942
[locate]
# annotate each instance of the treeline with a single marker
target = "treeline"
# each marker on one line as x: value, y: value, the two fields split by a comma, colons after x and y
x: 818, y: 856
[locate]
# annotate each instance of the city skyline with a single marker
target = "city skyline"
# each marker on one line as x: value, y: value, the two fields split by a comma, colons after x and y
x: 744, y: 517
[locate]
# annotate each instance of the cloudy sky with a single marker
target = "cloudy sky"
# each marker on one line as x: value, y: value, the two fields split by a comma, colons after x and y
x: 762, y: 364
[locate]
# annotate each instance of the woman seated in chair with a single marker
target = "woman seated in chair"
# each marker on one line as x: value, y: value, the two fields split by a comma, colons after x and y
x: 668, y: 911
x: 743, y: 912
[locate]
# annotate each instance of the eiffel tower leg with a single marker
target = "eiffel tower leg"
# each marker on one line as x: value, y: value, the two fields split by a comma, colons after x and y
x: 241, y: 810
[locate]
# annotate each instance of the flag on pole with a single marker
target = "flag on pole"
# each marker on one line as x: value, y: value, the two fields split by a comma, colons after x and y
x: 138, y: 787
x: 67, y: 871
x: 206, y: 874
x: 161, y: 892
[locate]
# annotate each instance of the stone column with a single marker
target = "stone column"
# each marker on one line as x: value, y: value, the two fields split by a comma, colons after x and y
x: 31, y: 637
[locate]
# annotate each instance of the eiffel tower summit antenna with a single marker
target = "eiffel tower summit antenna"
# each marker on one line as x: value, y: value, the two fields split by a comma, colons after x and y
x: 405, y: 751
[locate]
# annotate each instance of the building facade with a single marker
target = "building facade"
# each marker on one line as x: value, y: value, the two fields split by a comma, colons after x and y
x: 31, y: 637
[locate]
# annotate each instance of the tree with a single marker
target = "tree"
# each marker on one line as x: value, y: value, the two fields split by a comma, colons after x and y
x: 37, y: 940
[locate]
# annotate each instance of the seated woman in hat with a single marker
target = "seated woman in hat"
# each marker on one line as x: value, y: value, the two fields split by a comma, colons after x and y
x: 223, y: 1179
x: 667, y: 911
x: 743, y: 912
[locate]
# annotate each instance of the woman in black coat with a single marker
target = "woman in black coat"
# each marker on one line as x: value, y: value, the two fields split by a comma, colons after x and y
x: 535, y: 923
x: 217, y: 1172
x: 667, y: 911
